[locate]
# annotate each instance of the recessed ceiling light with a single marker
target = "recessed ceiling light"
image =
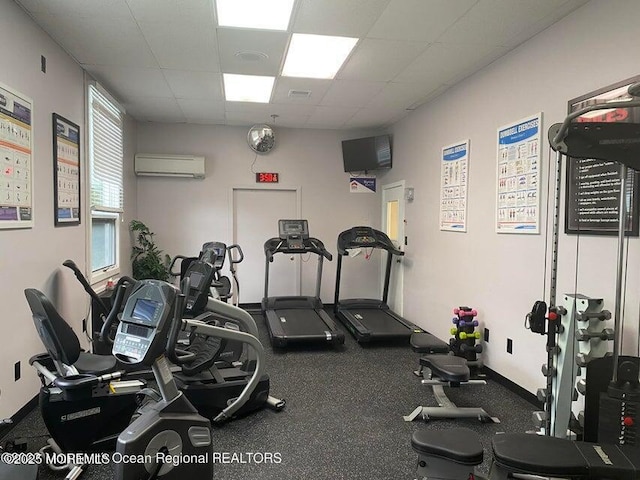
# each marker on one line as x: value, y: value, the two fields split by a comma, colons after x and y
x: 267, y: 15
x: 247, y: 88
x: 316, y: 56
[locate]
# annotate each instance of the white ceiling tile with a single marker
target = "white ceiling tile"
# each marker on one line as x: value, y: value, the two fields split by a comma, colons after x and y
x: 380, y: 60
x: 202, y: 111
x: 36, y: 6
x: 375, y: 117
x: 350, y: 93
x: 495, y: 22
x: 418, y: 20
x: 165, y: 11
x: 330, y: 117
x: 97, y: 42
x: 195, y: 85
x: 352, y: 18
x: 81, y: 8
x: 256, y: 43
x: 440, y: 63
x: 284, y: 85
x: 157, y: 110
x: 182, y: 45
x: 127, y: 83
x: 403, y: 95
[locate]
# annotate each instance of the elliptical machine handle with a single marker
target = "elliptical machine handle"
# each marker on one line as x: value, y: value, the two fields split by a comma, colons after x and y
x: 113, y: 314
x: 176, y: 326
x: 236, y: 247
x: 70, y: 264
x: 173, y: 262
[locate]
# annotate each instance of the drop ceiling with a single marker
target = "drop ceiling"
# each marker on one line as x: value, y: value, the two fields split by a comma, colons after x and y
x: 164, y: 59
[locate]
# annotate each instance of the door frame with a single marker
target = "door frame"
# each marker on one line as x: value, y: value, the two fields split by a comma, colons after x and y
x: 285, y: 188
x: 383, y: 223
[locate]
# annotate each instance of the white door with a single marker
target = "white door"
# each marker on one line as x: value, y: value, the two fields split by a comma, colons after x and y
x: 393, y: 226
x: 256, y: 212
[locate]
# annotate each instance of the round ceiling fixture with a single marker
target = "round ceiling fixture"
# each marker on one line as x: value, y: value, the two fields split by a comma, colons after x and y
x: 261, y: 138
x: 251, y: 56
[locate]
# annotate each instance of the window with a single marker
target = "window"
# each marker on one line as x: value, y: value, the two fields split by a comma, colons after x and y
x: 106, y: 181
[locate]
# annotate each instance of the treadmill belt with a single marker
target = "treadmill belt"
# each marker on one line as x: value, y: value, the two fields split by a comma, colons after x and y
x: 379, y: 323
x: 301, y: 322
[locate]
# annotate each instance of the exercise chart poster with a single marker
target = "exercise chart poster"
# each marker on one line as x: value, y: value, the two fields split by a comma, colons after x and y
x: 454, y: 176
x: 66, y: 171
x: 16, y: 189
x: 518, y: 176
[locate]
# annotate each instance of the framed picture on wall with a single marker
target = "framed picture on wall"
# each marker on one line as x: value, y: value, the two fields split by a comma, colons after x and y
x: 66, y: 171
x: 593, y: 186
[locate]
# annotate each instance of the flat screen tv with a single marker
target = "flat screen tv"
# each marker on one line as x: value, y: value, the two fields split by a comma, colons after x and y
x: 365, y: 154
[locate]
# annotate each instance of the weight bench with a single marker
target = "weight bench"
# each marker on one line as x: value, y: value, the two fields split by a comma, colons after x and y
x: 453, y: 454
x: 449, y: 370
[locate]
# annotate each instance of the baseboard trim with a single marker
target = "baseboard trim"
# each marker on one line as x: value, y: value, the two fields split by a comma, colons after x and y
x: 19, y: 416
x: 513, y: 387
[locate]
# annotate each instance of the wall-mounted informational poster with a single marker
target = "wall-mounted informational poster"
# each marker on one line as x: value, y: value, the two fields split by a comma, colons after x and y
x: 454, y: 178
x: 518, y: 182
x: 66, y: 171
x: 593, y: 186
x: 16, y: 159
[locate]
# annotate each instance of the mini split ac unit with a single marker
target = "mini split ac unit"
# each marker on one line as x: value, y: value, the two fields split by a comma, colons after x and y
x: 156, y: 165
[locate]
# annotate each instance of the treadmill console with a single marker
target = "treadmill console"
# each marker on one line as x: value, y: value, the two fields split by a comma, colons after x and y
x: 214, y: 253
x: 294, y: 233
x: 146, y: 319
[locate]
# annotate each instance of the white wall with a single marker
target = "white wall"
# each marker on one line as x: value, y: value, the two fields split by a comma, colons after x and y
x: 186, y: 213
x: 33, y: 257
x: 502, y: 275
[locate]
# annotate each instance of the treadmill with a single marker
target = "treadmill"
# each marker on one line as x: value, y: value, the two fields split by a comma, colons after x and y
x: 370, y: 320
x: 297, y: 319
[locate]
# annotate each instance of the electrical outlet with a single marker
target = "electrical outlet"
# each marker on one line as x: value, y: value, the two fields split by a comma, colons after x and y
x: 486, y: 335
x: 16, y: 371
x: 509, y: 345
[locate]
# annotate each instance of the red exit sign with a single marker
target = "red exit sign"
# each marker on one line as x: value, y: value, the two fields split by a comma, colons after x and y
x: 266, y: 177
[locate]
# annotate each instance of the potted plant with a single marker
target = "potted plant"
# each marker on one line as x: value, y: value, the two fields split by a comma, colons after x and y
x: 147, y: 260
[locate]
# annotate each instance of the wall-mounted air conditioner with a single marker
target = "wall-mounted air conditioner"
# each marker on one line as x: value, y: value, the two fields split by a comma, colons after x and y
x: 157, y: 165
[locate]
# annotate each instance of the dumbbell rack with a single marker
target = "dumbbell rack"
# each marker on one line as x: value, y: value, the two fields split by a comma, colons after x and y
x: 465, y: 336
x: 581, y: 337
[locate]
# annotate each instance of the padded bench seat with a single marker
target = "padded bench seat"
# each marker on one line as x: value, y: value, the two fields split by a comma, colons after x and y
x: 448, y: 368
x: 540, y: 455
x: 424, y: 342
x: 459, y: 445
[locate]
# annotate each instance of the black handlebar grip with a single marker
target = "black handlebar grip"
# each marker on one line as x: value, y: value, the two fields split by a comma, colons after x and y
x: 176, y: 325
x: 113, y: 314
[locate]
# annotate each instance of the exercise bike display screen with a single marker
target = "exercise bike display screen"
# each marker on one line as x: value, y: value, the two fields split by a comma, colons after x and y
x: 145, y: 310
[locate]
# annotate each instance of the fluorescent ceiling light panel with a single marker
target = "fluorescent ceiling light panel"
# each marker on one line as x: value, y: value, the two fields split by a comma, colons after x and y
x: 262, y: 14
x: 316, y: 56
x: 247, y: 88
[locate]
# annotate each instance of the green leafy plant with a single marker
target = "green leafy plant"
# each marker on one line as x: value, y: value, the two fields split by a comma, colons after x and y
x: 147, y: 260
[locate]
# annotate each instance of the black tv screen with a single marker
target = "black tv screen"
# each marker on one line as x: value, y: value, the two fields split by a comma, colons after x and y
x: 364, y: 154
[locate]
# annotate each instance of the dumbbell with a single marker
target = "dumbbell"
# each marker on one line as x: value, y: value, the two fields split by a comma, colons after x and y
x: 473, y: 323
x: 453, y: 331
x: 465, y: 335
x: 541, y: 394
x: 461, y: 312
x: 584, y: 335
x: 581, y: 386
x: 585, y: 316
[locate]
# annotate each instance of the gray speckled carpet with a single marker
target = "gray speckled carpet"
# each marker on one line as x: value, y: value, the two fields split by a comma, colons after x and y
x: 343, y: 418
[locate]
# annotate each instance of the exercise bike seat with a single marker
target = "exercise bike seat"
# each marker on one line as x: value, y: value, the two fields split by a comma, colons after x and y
x: 448, y: 368
x: 424, y: 342
x: 459, y: 445
x: 556, y: 457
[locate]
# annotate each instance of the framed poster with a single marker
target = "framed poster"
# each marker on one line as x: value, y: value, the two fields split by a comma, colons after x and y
x: 16, y: 157
x: 66, y: 171
x: 593, y: 186
x: 518, y: 176
x: 454, y: 177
